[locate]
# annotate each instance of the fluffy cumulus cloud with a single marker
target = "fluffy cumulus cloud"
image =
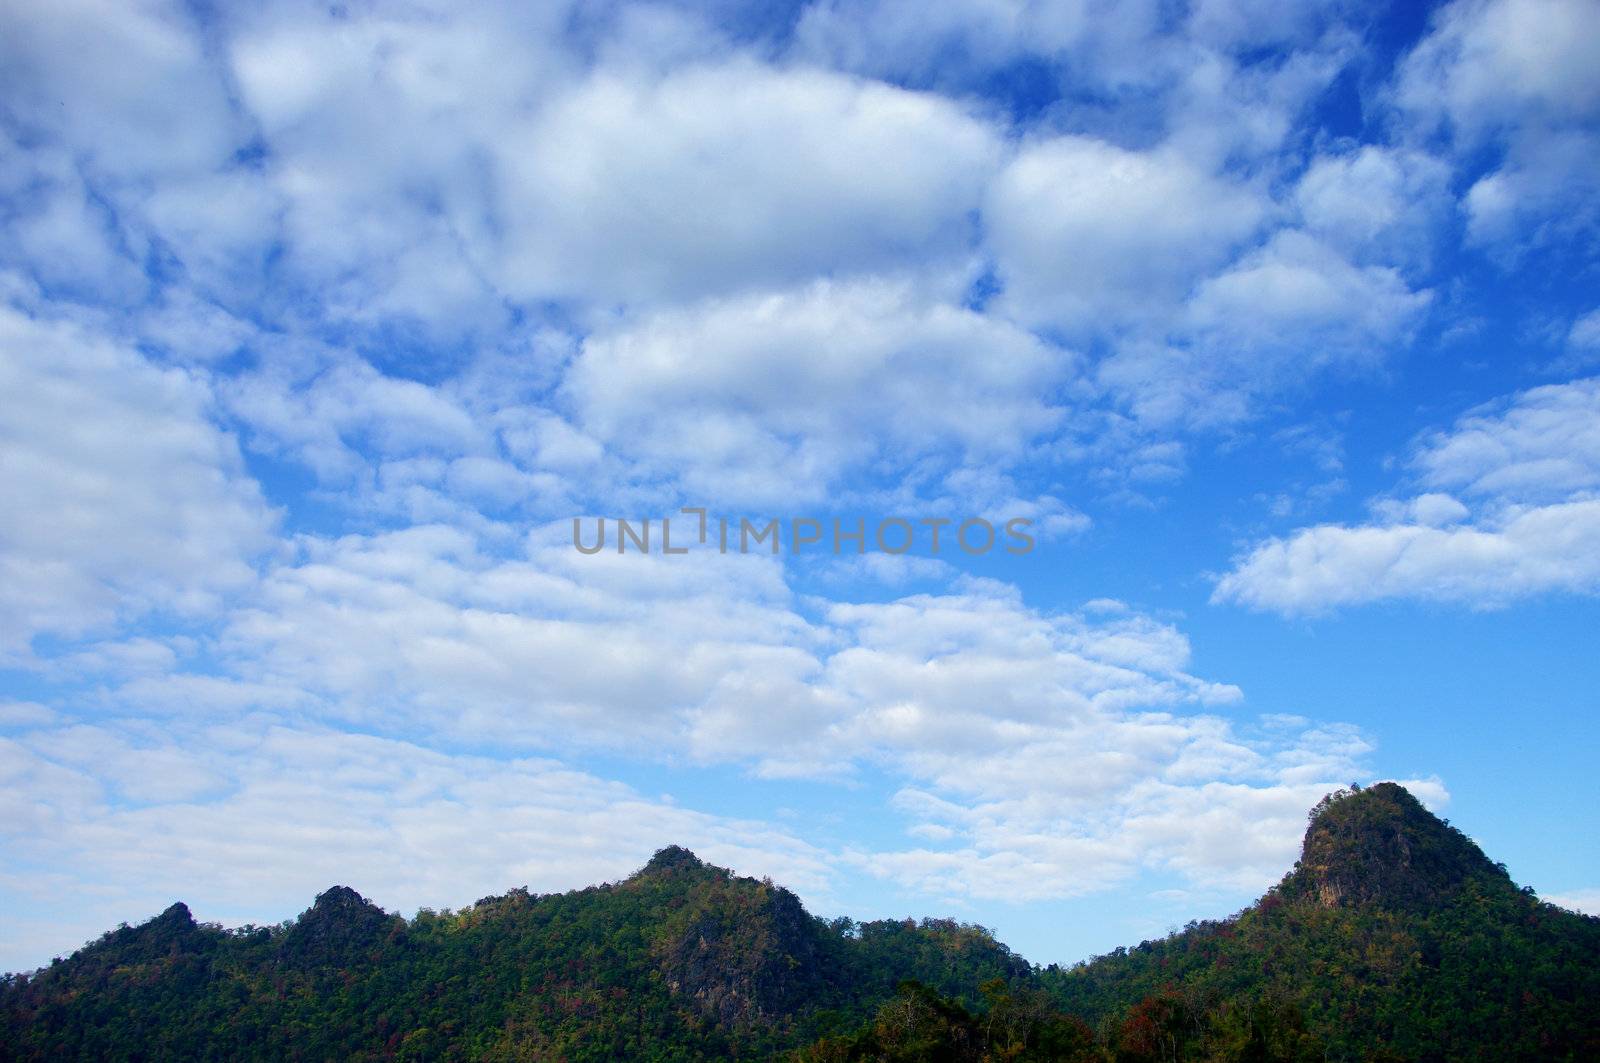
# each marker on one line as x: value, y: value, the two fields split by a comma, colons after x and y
x: 713, y: 655
x: 1085, y: 231
x: 1492, y: 61
x: 1278, y: 315
x: 320, y: 323
x: 1055, y: 756
x: 1207, y: 300
x: 1243, y: 24
x: 414, y: 173
x: 1045, y: 754
x: 715, y: 178
x: 1078, y: 740
x: 1518, y: 75
x: 1230, y: 835
x: 1376, y: 203
x: 776, y: 396
x: 115, y: 820
x: 110, y: 77
x: 1299, y: 301
x: 520, y: 174
x: 135, y: 500
x: 1540, y: 445
x: 1585, y: 334
x: 1529, y: 466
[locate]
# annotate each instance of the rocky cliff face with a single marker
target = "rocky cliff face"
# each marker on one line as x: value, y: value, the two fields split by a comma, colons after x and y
x: 743, y: 950
x: 1380, y: 846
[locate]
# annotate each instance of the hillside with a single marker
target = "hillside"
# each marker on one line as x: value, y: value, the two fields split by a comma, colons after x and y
x: 680, y: 961
x: 1393, y: 937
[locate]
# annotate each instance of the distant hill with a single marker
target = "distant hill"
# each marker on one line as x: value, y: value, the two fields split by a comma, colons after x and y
x: 1394, y: 937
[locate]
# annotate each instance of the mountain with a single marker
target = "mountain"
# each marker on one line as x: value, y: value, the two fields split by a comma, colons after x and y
x: 1380, y: 847
x: 1393, y: 937
x: 680, y: 961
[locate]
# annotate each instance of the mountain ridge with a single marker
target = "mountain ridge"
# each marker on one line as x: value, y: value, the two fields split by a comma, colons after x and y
x: 1393, y: 933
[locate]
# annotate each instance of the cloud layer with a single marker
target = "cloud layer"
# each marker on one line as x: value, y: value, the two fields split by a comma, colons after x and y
x: 319, y: 324
x: 1530, y: 467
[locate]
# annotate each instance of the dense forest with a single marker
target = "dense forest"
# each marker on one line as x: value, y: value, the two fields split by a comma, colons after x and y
x: 1393, y: 938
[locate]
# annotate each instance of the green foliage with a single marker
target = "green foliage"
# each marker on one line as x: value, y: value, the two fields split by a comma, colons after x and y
x: 1393, y: 938
x: 1017, y: 1023
x: 680, y: 962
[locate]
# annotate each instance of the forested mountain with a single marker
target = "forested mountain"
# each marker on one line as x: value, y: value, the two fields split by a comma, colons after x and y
x: 1393, y: 938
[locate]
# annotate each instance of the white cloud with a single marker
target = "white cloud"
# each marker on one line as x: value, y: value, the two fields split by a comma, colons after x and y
x: 111, y: 76
x: 1541, y: 444
x: 1153, y: 254
x: 1041, y: 754
x: 1375, y: 203
x: 720, y: 178
x: 1297, y: 296
x: 343, y: 418
x: 1089, y: 235
x: 434, y: 171
x: 407, y: 173
x: 1546, y: 195
x: 1518, y: 74
x: 423, y: 629
x: 136, y: 140
x: 1020, y: 725
x: 250, y: 820
x: 959, y: 40
x: 1524, y: 552
x: 1586, y: 901
x: 1491, y: 64
x: 778, y: 397
x: 473, y: 265
x: 56, y: 231
x: 1192, y: 796
x: 1281, y: 313
x: 1221, y: 110
x: 1584, y: 336
x: 1434, y: 510
x: 890, y: 570
x: 904, y: 37
x: 384, y: 131
x: 1532, y: 464
x: 124, y: 496
x: 25, y: 714
x: 186, y: 328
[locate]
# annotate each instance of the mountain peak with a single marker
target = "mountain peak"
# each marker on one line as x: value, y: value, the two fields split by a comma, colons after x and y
x: 671, y: 860
x: 341, y: 899
x: 1379, y: 846
x: 177, y: 914
x: 339, y: 924
x: 340, y: 909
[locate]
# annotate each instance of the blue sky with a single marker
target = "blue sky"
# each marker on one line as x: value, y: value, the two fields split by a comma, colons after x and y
x: 320, y: 324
